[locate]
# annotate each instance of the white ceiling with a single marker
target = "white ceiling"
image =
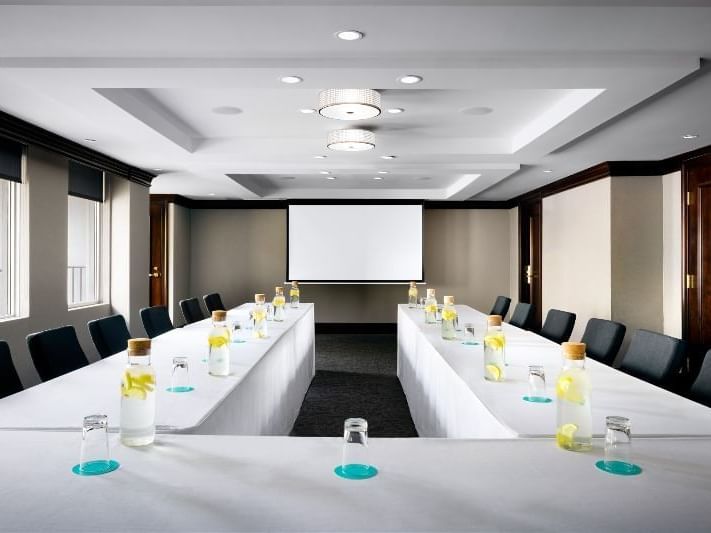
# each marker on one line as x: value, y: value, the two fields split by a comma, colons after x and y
x: 568, y: 84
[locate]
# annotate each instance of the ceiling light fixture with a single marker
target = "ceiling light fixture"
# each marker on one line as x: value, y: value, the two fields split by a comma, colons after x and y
x: 378, y: 178
x: 382, y: 171
x: 410, y: 79
x: 306, y: 111
x: 157, y: 169
x: 349, y: 104
x: 331, y: 178
x: 396, y: 110
x: 388, y: 156
x: 90, y: 140
x: 291, y: 79
x: 211, y: 194
x: 324, y: 172
x: 350, y: 35
x: 320, y: 156
x: 351, y: 140
x: 689, y: 136
x: 547, y: 171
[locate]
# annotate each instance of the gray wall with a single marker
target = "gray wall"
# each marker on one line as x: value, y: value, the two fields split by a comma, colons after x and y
x: 46, y: 265
x: 240, y: 252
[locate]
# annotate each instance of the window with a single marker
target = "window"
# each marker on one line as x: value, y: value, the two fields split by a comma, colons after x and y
x: 10, y: 211
x: 84, y: 237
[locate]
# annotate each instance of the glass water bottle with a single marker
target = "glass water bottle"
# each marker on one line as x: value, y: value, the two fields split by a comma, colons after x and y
x: 449, y: 319
x: 138, y: 396
x: 494, y: 350
x: 279, y: 302
x: 219, y: 338
x: 294, y: 295
x: 574, y: 418
x: 431, y: 307
x: 259, y: 316
x: 412, y: 295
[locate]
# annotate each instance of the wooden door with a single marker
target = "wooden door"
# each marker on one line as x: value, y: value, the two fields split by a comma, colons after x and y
x: 530, y: 240
x: 158, y: 272
x: 696, y: 175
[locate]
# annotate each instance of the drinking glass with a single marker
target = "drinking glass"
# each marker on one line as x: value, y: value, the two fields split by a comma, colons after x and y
x: 421, y: 302
x: 536, y: 384
x: 355, y: 463
x: 180, y: 376
x: 438, y: 315
x: 94, y: 457
x: 270, y: 312
x: 618, y: 447
x: 469, y: 334
x: 238, y: 331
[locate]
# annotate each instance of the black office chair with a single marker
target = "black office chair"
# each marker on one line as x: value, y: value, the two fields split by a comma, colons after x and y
x: 213, y: 302
x: 192, y: 312
x: 603, y: 339
x: 56, y: 352
x: 156, y: 320
x: 700, y: 391
x: 110, y: 334
x: 522, y: 315
x: 653, y: 357
x: 9, y: 380
x: 501, y: 306
x: 558, y: 326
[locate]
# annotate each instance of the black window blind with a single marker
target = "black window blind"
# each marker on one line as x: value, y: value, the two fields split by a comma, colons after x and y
x: 86, y: 182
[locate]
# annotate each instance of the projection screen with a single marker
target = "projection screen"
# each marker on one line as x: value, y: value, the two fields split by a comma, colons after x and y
x: 355, y: 243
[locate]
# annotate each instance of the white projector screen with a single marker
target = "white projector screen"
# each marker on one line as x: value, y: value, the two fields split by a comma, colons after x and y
x: 355, y: 243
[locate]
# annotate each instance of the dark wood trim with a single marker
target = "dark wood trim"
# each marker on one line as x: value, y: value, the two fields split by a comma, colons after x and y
x: 352, y: 327
x: 172, y: 199
x: 583, y: 177
x: 23, y: 132
x: 468, y: 204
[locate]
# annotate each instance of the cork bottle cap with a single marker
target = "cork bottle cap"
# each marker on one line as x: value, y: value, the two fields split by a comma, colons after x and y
x: 413, y: 284
x: 279, y: 291
x: 219, y: 316
x: 430, y: 293
x: 139, y: 346
x: 493, y: 320
x: 449, y: 300
x: 574, y: 350
x: 259, y: 298
x: 294, y: 283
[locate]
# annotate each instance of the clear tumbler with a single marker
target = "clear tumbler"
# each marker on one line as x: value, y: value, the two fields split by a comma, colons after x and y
x: 355, y: 462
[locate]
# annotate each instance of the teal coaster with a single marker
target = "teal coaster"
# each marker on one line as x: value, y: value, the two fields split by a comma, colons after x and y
x: 96, y: 468
x: 471, y: 343
x: 537, y: 399
x: 619, y: 468
x: 180, y: 389
x: 356, y: 471
x: 238, y: 341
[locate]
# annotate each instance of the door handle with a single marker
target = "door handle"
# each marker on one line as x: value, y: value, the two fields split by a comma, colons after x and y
x: 154, y: 274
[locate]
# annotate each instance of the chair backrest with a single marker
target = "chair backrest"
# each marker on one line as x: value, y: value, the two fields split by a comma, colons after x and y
x: 701, y: 389
x: 213, y: 302
x: 110, y: 334
x: 522, y: 315
x: 9, y: 380
x: 156, y: 320
x: 501, y: 306
x: 56, y: 352
x: 558, y: 326
x: 603, y: 339
x: 192, y: 312
x: 653, y: 357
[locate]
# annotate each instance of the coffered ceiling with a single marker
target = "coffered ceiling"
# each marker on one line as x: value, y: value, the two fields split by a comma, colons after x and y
x: 510, y: 90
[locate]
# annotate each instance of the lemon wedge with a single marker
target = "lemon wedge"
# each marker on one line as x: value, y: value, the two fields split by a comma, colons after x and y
x: 449, y: 314
x: 494, y: 342
x: 217, y: 341
x: 565, y: 435
x: 137, y: 386
x: 493, y: 371
x: 566, y: 390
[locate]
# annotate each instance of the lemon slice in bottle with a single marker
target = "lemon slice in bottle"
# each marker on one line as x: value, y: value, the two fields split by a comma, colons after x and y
x: 565, y: 435
x: 494, y: 371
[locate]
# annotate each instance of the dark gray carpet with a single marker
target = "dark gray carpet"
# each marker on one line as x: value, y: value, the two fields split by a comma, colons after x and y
x: 355, y: 377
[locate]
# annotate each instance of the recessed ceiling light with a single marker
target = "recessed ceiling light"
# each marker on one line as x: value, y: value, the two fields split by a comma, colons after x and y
x: 331, y: 178
x: 382, y: 171
x: 396, y: 110
x: 547, y: 171
x: 291, y: 79
x: 90, y: 140
x: 378, y: 178
x: 410, y: 79
x: 211, y: 194
x: 689, y: 136
x: 307, y: 111
x: 324, y: 172
x: 320, y: 156
x: 350, y: 35
x: 388, y: 156
x: 157, y: 169
x: 226, y: 110
x: 477, y: 111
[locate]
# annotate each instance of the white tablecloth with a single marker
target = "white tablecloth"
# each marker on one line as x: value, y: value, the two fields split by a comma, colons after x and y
x: 449, y: 397
x: 218, y: 483
x: 262, y: 396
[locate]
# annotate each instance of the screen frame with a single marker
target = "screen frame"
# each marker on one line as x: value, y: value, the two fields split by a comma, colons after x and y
x: 421, y: 203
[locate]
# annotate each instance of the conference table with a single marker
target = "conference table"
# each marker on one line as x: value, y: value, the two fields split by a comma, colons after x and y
x: 261, y: 396
x: 449, y: 397
x: 236, y: 483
